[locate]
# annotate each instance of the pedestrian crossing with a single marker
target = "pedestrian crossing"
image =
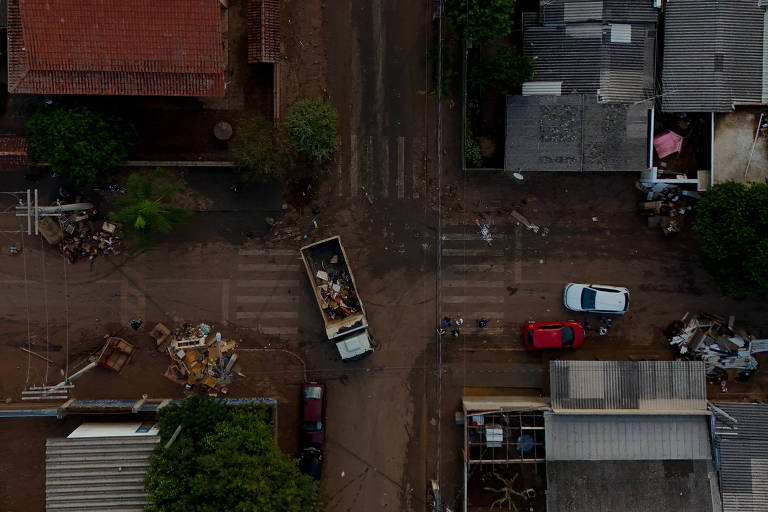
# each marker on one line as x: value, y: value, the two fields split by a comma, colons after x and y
x: 266, y: 291
x: 473, y: 279
x: 381, y: 167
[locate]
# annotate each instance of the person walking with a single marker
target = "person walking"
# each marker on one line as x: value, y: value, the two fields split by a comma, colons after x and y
x: 136, y: 323
x: 482, y: 322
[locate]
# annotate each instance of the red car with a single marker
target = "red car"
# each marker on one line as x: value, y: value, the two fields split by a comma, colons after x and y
x: 313, y: 413
x: 541, y: 335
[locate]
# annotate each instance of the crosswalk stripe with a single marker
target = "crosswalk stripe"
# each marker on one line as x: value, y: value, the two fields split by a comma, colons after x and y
x: 370, y: 172
x: 354, y: 164
x: 280, y: 331
x: 418, y: 165
x: 474, y: 268
x: 266, y: 267
x: 269, y: 299
x: 242, y: 315
x: 475, y: 299
x: 384, y: 151
x: 401, y: 167
x: 472, y: 234
x: 267, y: 283
x: 270, y: 252
x: 488, y: 251
x: 472, y: 284
x: 484, y: 331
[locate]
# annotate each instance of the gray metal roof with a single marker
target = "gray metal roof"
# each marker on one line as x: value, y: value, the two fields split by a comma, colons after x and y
x: 575, y: 133
x: 713, y: 55
x: 100, y: 473
x: 743, y: 450
x: 626, y: 437
x: 602, y: 48
x: 632, y: 486
x: 649, y: 386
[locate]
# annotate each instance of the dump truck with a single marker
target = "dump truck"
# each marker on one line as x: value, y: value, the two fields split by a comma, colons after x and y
x: 336, y: 294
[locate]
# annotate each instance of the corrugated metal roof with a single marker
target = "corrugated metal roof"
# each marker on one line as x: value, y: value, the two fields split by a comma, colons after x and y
x: 628, y: 385
x: 626, y: 437
x: 713, y: 54
x: 743, y: 449
x: 97, y: 473
x: 604, y: 48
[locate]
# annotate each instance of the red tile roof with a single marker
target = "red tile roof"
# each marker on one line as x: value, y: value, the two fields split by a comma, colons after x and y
x: 128, y: 47
x: 13, y: 152
x: 263, y: 30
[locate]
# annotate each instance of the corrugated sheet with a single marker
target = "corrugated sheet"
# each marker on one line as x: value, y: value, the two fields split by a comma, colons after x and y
x: 542, y: 88
x: 628, y: 385
x: 97, y: 473
x: 572, y: 42
x: 743, y: 449
x: 627, y: 437
x: 713, y: 54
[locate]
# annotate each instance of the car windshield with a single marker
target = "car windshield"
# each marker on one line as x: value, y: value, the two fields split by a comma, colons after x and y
x: 313, y: 392
x: 312, y: 426
x: 588, y: 298
x: 567, y: 336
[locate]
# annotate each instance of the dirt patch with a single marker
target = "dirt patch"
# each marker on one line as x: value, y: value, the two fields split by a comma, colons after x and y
x: 734, y: 137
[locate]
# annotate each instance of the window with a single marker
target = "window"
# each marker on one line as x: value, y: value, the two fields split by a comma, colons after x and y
x: 567, y: 334
x: 588, y: 298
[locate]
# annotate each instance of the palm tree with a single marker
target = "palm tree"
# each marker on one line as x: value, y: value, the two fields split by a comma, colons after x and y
x: 146, y: 208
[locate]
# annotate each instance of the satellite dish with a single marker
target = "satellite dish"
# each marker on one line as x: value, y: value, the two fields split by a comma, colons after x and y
x: 518, y: 176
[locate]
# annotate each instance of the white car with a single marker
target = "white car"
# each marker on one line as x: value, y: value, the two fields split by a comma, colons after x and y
x: 596, y: 298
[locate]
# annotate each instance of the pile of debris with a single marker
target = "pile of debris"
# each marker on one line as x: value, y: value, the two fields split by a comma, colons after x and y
x: 337, y: 290
x: 666, y: 206
x: 713, y: 339
x: 79, y: 236
x: 196, y: 361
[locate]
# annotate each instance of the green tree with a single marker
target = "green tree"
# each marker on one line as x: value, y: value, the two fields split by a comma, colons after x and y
x: 261, y: 151
x: 731, y: 226
x: 482, y: 21
x: 505, y: 71
x: 147, y: 208
x: 81, y: 144
x: 224, y: 459
x: 313, y: 129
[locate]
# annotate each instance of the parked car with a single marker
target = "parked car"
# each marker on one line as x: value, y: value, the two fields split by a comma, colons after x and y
x: 311, y: 462
x: 313, y: 413
x: 596, y: 298
x: 542, y: 335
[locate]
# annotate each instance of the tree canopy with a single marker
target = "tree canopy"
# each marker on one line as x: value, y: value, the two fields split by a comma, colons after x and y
x: 482, y: 21
x: 261, y: 151
x: 505, y: 71
x: 313, y: 129
x: 224, y: 459
x: 147, y: 208
x: 81, y: 144
x: 731, y: 226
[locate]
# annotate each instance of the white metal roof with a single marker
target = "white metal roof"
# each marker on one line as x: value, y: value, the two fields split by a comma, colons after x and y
x: 626, y: 437
x: 98, y: 473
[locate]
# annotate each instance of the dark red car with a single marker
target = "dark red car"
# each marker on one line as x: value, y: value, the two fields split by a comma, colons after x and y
x: 541, y: 335
x: 313, y: 413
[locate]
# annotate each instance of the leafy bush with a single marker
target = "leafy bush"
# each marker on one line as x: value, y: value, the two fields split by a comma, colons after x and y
x: 472, y: 152
x: 482, y: 21
x: 81, y: 144
x: 731, y: 226
x: 261, y: 151
x: 313, y: 129
x: 146, y: 209
x: 224, y: 459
